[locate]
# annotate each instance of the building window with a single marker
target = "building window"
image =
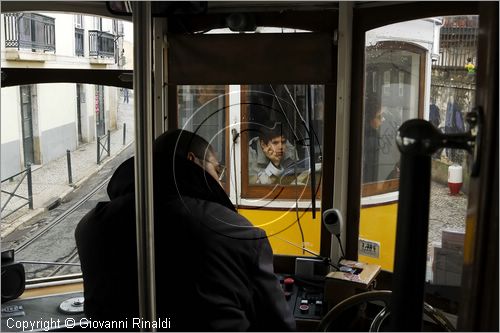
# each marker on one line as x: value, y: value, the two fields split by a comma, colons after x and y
x: 79, y: 49
x: 79, y: 21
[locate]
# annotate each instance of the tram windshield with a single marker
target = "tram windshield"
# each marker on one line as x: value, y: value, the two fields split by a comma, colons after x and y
x: 267, y: 135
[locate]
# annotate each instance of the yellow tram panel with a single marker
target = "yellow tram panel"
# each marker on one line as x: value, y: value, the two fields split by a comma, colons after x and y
x: 378, y: 224
x: 282, y: 228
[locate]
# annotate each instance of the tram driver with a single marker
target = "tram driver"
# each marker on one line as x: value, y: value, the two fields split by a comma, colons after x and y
x: 213, y: 268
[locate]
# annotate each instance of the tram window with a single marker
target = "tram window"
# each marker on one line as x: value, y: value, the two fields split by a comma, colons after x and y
x: 54, y: 128
x: 392, y: 96
x: 203, y: 109
x: 230, y: 118
x: 282, y: 127
x: 417, y: 69
x: 58, y: 130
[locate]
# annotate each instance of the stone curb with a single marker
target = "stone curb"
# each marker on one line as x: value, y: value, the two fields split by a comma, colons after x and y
x: 21, y: 220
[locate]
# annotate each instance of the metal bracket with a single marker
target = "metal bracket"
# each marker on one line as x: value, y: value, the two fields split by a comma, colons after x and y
x: 418, y: 136
x: 475, y: 120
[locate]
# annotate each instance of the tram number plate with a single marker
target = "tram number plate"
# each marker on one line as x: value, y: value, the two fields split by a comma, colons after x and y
x: 369, y: 248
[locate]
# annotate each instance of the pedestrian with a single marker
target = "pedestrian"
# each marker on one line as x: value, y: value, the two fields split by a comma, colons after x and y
x: 214, y: 269
x: 434, y: 116
x: 371, y: 149
x: 125, y: 95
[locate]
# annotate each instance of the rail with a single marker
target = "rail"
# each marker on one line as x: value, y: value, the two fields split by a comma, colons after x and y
x: 29, y: 199
x: 458, y: 47
x: 102, y: 142
x: 101, y: 44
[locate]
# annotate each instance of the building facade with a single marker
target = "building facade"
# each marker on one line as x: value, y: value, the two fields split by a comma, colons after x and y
x: 40, y: 122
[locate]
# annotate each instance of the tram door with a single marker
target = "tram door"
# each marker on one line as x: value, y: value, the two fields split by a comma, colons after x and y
x: 430, y: 68
x: 27, y: 125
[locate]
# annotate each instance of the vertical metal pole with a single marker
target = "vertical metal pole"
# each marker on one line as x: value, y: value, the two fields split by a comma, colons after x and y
x: 144, y: 159
x: 417, y: 140
x: 342, y: 126
x: 30, y: 187
x: 312, y: 161
x: 98, y: 150
x: 411, y: 242
x: 124, y: 132
x: 68, y: 160
x: 109, y: 142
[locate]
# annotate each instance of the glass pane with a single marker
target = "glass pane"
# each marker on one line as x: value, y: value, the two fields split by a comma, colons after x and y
x: 453, y: 94
x: 203, y: 111
x: 233, y: 119
x: 392, y: 96
x: 426, y: 69
x: 284, y: 131
x: 44, y: 237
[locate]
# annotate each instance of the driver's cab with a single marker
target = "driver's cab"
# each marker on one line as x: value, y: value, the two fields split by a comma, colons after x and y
x: 333, y: 82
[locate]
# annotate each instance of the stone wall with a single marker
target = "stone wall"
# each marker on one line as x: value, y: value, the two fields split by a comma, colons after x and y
x: 452, y: 83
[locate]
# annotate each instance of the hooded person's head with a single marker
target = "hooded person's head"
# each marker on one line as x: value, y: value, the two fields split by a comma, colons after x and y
x: 181, y: 144
x: 184, y: 164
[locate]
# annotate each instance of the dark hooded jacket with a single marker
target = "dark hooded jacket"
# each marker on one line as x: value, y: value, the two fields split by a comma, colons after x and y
x: 214, y: 270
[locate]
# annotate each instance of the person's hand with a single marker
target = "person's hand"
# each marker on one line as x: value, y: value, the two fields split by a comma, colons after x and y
x: 272, y: 155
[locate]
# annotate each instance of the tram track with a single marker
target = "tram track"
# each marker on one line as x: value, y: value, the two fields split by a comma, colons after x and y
x: 71, y: 257
x: 47, y: 246
x: 61, y: 217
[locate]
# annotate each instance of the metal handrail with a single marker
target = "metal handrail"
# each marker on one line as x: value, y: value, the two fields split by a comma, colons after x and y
x: 101, y: 147
x: 29, y: 200
x: 144, y: 160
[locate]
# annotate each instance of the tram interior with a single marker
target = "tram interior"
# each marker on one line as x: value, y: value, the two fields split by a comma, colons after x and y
x: 368, y: 230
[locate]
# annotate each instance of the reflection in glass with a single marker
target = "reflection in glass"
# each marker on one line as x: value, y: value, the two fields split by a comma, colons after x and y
x: 284, y: 131
x: 202, y: 110
x: 391, y: 97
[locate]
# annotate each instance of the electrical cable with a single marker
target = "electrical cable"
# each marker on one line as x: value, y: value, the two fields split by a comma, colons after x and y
x: 326, y: 260
x: 341, y: 249
x: 299, y: 224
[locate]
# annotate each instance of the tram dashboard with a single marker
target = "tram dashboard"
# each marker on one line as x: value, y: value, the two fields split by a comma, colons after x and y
x: 64, y: 311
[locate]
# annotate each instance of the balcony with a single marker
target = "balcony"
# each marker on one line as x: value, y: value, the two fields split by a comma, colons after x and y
x: 30, y: 31
x: 457, y: 45
x: 101, y: 45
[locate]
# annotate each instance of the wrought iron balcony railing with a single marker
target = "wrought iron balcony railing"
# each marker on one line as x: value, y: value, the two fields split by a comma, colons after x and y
x: 101, y: 44
x: 458, y: 46
x: 30, y: 31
